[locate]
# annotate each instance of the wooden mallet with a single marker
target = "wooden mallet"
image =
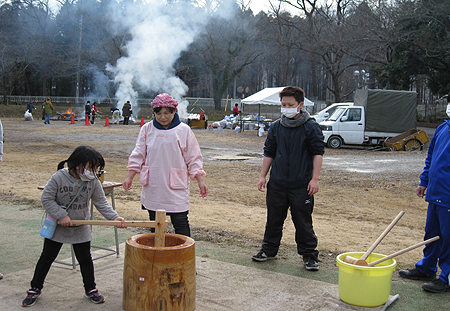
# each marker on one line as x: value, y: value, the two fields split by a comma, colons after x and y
x: 160, y: 224
x: 362, y: 261
x: 373, y: 263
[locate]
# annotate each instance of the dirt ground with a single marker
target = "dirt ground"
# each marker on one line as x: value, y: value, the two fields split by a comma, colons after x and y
x: 361, y: 191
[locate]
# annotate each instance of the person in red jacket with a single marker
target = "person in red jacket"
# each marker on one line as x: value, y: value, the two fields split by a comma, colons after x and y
x: 93, y: 112
x: 235, y: 110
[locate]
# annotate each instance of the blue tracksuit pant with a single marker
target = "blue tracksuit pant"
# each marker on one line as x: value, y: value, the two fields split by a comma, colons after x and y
x: 437, y: 252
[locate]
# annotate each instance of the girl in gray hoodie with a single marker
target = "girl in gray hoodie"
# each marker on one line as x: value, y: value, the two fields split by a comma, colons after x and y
x: 62, y: 187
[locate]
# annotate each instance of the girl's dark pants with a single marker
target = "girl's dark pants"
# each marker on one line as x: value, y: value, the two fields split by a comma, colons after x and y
x: 278, y: 200
x: 179, y: 221
x: 50, y: 252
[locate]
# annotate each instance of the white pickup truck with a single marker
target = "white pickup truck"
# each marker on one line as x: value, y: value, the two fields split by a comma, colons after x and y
x: 381, y: 114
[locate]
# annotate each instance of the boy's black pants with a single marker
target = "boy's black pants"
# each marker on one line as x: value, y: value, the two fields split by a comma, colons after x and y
x: 278, y: 200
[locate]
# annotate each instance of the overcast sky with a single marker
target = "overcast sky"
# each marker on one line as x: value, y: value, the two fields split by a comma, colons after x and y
x: 256, y: 5
x: 264, y: 5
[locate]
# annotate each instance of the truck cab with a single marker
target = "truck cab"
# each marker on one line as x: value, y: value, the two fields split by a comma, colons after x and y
x: 325, y: 113
x: 344, y: 126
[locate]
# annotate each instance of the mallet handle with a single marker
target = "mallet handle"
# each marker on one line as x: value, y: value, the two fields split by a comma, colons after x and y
x: 381, y: 237
x: 131, y: 223
x: 403, y: 251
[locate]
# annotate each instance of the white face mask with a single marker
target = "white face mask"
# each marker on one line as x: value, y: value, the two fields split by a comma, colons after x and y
x: 87, y: 175
x: 448, y: 110
x: 289, y: 112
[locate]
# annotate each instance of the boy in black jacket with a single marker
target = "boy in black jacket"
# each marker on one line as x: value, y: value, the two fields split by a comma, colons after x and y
x: 293, y: 150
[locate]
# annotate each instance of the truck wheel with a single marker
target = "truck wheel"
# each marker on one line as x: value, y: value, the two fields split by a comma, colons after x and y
x: 412, y: 144
x: 334, y: 142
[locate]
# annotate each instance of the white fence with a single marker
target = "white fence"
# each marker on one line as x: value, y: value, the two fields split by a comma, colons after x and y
x: 436, y: 109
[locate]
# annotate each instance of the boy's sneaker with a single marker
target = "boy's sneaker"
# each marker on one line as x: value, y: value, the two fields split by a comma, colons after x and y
x: 415, y: 274
x: 94, y: 296
x: 261, y: 256
x: 32, y: 295
x: 311, y: 263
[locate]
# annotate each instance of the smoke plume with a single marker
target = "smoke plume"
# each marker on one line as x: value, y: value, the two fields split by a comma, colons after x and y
x: 160, y: 32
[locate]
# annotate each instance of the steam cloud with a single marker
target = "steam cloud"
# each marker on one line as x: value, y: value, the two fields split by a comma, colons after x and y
x: 160, y: 32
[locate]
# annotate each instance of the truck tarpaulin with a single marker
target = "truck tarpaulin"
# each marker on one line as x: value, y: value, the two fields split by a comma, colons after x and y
x: 388, y: 110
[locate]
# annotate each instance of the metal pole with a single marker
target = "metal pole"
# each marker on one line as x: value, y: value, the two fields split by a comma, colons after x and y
x: 77, y: 94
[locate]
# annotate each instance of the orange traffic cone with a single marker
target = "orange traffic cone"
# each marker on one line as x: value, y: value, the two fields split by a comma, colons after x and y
x: 142, y: 121
x: 87, y: 120
x: 107, y: 121
x: 72, y: 119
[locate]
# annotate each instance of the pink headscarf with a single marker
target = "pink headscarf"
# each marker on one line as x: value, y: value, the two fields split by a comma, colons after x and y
x: 164, y: 100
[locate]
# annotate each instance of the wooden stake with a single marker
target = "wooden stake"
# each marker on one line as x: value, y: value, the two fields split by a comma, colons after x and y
x: 160, y: 220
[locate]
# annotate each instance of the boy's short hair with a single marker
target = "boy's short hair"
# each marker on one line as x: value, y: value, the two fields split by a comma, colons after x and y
x: 294, y: 91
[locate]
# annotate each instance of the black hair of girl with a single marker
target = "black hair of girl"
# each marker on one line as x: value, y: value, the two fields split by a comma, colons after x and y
x: 84, y: 155
x: 158, y: 109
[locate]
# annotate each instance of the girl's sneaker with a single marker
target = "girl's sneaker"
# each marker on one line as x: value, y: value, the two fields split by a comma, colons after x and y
x: 32, y: 295
x: 94, y: 296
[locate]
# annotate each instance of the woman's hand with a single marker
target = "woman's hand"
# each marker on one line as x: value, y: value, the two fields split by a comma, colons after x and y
x: 202, y: 185
x: 129, y: 180
x: 127, y: 183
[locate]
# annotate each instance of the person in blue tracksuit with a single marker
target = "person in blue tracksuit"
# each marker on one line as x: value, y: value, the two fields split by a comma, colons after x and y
x: 435, y: 186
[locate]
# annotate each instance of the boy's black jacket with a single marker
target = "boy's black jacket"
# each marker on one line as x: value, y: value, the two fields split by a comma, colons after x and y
x: 292, y: 150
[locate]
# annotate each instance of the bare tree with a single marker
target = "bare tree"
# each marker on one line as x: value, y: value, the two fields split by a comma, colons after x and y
x: 337, y: 41
x: 227, y: 48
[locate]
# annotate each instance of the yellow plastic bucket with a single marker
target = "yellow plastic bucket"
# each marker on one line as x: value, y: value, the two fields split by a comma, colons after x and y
x: 365, y: 286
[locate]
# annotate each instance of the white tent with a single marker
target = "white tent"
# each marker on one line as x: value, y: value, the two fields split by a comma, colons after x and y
x: 269, y: 96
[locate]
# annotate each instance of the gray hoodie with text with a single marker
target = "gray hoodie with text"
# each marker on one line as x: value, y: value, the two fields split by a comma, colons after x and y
x: 60, y: 190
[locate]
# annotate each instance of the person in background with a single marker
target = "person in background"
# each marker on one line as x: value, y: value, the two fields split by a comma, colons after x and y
x: 1, y: 141
x: 126, y: 112
x: 28, y: 113
x: 293, y: 151
x: 235, y: 110
x: 166, y: 155
x: 1, y: 158
x: 115, y: 115
x: 435, y: 186
x: 94, y: 111
x: 48, y: 109
x: 82, y: 166
x: 30, y: 107
x: 87, y: 109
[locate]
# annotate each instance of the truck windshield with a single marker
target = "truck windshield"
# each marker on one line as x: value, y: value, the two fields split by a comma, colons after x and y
x: 336, y: 114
